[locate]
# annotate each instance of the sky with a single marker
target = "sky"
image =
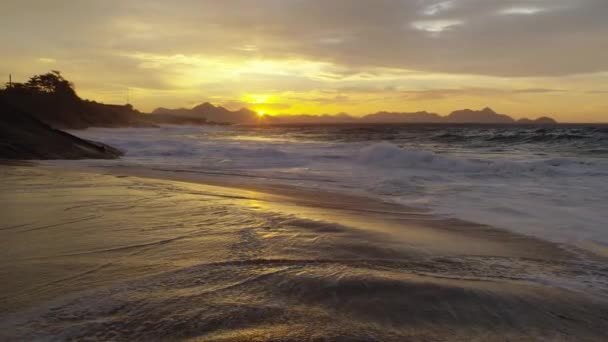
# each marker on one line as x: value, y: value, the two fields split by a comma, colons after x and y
x: 525, y: 58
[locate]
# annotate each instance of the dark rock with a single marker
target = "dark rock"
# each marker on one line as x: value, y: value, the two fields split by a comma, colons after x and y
x: 24, y: 137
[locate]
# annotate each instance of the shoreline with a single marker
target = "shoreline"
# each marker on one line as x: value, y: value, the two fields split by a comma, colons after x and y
x: 108, y: 249
x: 311, y: 197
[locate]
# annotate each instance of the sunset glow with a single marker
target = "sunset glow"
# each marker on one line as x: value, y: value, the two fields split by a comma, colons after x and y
x: 304, y: 170
x: 295, y: 57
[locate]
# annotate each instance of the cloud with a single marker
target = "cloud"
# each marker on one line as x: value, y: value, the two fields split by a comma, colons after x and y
x: 184, y: 50
x: 342, y: 32
x: 438, y: 94
x: 436, y: 26
x: 521, y: 10
x: 322, y: 100
x: 46, y: 60
x: 537, y: 91
x: 437, y: 8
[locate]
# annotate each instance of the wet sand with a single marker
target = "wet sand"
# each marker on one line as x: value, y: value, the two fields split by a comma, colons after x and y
x: 133, y: 254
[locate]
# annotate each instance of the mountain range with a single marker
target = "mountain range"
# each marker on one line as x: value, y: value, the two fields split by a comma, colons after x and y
x: 53, y: 100
x: 209, y: 113
x: 219, y: 114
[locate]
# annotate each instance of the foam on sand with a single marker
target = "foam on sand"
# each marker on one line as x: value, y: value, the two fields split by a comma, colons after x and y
x: 554, y: 197
x: 127, y: 258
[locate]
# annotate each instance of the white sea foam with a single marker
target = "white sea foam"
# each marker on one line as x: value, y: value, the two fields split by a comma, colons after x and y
x: 560, y: 199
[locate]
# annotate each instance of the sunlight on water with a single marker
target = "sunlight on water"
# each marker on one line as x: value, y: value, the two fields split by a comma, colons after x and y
x: 516, y: 177
x: 203, y: 262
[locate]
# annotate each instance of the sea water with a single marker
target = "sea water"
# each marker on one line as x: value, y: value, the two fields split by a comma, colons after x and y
x: 545, y: 181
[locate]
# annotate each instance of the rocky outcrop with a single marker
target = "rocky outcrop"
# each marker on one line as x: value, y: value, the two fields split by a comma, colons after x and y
x: 24, y: 137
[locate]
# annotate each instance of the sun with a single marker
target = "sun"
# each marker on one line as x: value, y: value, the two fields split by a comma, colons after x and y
x: 261, y: 113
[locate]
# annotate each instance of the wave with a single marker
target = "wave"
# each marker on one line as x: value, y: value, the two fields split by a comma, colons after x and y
x: 331, y: 301
x: 388, y: 155
x: 514, y: 189
x: 535, y: 137
x: 189, y: 263
x: 549, y: 140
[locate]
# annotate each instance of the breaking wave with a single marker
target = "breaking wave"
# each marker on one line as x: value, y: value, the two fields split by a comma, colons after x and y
x: 392, y: 156
x: 475, y: 174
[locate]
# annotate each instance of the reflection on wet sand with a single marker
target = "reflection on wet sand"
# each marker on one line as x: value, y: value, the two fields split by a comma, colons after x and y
x: 119, y: 257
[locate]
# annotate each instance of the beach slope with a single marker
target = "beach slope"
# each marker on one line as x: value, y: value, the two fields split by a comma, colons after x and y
x: 88, y: 255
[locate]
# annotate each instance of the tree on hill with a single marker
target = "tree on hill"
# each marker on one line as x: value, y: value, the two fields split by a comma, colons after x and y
x: 51, y: 83
x: 52, y: 99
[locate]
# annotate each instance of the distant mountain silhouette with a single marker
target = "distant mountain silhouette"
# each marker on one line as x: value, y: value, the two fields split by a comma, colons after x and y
x: 23, y: 137
x: 53, y: 100
x: 207, y: 112
x: 486, y: 115
x: 210, y: 113
x: 540, y: 121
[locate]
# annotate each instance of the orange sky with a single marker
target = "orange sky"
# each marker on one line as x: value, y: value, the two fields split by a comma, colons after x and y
x: 524, y: 58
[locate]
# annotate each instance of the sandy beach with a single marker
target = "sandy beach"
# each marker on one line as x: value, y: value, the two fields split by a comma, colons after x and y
x: 315, y: 171
x: 123, y: 254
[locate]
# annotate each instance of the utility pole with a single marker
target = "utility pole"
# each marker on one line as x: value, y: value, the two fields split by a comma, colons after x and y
x: 10, y: 80
x: 128, y: 100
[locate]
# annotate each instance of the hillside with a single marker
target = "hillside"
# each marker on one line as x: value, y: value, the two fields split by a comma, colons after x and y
x: 52, y: 99
x: 22, y: 136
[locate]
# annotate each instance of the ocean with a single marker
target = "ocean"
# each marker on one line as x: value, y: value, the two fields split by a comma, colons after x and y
x: 545, y: 181
x: 311, y: 233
